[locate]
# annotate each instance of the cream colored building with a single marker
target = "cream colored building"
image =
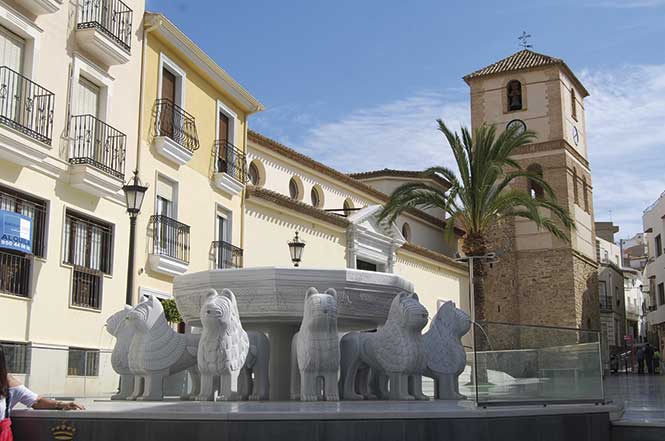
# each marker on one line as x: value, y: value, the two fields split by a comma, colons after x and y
x: 193, y: 126
x: 336, y: 216
x: 68, y: 128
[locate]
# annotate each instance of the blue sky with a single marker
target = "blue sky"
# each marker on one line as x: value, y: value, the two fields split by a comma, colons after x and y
x: 358, y: 84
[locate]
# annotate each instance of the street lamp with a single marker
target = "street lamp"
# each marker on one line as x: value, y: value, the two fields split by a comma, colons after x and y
x: 134, y: 193
x: 296, y: 247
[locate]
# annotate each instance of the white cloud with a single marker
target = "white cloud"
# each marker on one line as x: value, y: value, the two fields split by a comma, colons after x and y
x: 401, y: 134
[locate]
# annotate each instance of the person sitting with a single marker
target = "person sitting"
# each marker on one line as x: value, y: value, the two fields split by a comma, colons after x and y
x: 13, y: 392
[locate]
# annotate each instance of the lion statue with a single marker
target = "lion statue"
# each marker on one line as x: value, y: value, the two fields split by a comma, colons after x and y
x: 157, y: 351
x: 253, y: 383
x: 395, y: 352
x: 223, y: 346
x: 446, y: 357
x: 118, y: 326
x: 315, y: 349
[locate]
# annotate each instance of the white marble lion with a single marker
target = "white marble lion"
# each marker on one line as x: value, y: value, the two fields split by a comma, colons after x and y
x: 315, y: 352
x: 223, y: 346
x: 446, y: 358
x: 395, y: 353
x: 118, y: 326
x: 157, y: 351
x: 253, y: 381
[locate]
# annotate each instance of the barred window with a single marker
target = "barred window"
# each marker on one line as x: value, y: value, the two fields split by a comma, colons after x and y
x: 88, y: 243
x: 17, y: 356
x: 83, y: 362
x: 34, y: 208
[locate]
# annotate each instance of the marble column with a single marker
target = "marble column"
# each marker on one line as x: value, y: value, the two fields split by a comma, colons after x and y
x: 280, y: 337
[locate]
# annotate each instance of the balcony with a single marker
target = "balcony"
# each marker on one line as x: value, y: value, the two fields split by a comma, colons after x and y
x: 104, y: 29
x: 175, y: 132
x: 226, y: 255
x: 40, y: 7
x: 15, y: 274
x: 170, y: 246
x: 606, y: 304
x: 97, y: 156
x: 26, y: 108
x: 230, y: 168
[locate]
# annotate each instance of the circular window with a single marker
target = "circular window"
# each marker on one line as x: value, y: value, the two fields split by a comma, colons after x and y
x: 254, y: 174
x: 294, y: 189
x: 406, y: 231
x: 348, y: 206
x: 316, y: 197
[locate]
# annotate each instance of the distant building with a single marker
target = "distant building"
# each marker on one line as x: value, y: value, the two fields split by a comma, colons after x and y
x: 635, y: 251
x: 636, y: 300
x: 654, y: 228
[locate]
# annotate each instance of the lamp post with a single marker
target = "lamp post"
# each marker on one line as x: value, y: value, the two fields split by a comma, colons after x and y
x: 296, y: 247
x: 134, y: 193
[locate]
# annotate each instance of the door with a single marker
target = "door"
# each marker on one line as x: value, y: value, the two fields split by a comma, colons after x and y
x: 223, y: 254
x: 14, y: 87
x: 167, y: 111
x: 86, y: 130
x: 224, y: 154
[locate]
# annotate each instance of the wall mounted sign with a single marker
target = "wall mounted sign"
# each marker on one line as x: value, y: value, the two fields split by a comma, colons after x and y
x: 15, y: 231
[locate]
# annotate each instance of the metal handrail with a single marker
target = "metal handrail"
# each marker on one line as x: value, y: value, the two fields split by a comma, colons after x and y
x: 112, y: 17
x: 174, y: 122
x: 227, y: 255
x: 98, y: 144
x: 170, y: 237
x: 230, y: 160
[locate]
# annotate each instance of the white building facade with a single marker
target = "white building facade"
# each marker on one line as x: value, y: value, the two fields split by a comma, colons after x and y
x: 654, y: 228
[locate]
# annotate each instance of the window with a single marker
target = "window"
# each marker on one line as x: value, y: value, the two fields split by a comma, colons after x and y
x: 406, y: 231
x: 514, y: 95
x: 597, y: 250
x: 576, y: 196
x: 585, y: 194
x: 83, y: 362
x: 294, y: 189
x: 316, y: 197
x: 535, y: 189
x: 366, y: 266
x: 661, y: 294
x: 573, y: 103
x: 348, y: 207
x: 18, y: 202
x: 658, y: 246
x: 12, y: 50
x: 605, y: 300
x: 17, y: 356
x: 254, y: 174
x: 88, y: 248
x: 87, y: 98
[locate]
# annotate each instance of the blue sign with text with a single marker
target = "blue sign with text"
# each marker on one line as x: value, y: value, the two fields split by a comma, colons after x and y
x: 15, y: 231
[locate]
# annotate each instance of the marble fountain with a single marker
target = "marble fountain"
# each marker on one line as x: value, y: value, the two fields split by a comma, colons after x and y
x: 282, y: 327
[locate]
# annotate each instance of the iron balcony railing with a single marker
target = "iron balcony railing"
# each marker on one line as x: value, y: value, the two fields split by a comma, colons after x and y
x: 87, y: 287
x: 15, y: 274
x: 606, y: 303
x: 227, y: 255
x: 231, y: 160
x: 113, y: 18
x: 173, y: 122
x: 96, y: 143
x: 25, y: 105
x: 169, y: 237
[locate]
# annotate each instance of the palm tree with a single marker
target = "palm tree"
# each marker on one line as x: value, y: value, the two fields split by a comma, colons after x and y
x: 483, y: 194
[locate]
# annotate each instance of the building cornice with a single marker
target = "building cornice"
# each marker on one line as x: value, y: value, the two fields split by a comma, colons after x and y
x: 161, y: 25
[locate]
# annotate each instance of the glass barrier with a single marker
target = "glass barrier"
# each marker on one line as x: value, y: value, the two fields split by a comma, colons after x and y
x: 521, y: 364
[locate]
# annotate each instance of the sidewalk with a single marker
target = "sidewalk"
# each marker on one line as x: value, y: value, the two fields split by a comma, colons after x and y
x: 643, y: 397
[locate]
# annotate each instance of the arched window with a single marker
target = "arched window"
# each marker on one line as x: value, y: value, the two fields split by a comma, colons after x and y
x: 348, y: 207
x: 315, y: 195
x: 576, y: 197
x: 585, y: 194
x: 514, y: 95
x: 573, y: 102
x: 294, y: 189
x: 254, y: 173
x: 535, y: 189
x: 406, y: 231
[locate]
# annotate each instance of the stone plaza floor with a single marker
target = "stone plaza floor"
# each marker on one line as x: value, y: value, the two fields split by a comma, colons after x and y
x: 643, y: 397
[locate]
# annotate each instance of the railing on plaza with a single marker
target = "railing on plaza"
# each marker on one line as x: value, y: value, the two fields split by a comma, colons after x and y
x: 227, y: 255
x: 96, y: 143
x: 15, y: 273
x: 175, y: 123
x: 606, y: 303
x: 169, y: 237
x: 87, y: 287
x: 25, y: 105
x: 113, y: 18
x: 231, y: 160
x: 527, y: 364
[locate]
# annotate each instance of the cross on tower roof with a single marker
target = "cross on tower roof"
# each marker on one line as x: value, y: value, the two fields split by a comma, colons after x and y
x: 524, y: 40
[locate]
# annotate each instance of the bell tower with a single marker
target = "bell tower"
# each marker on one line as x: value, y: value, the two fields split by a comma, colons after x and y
x: 539, y: 279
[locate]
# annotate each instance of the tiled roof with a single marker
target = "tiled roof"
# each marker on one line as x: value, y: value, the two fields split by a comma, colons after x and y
x: 401, y: 174
x: 522, y: 60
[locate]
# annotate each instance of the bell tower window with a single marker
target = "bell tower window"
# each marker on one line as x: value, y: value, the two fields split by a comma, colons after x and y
x: 514, y: 94
x: 573, y: 103
x: 535, y: 189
